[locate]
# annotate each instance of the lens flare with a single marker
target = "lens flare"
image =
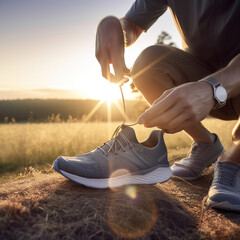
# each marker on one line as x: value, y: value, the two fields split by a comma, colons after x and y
x: 132, y: 212
x: 131, y: 191
x: 116, y: 177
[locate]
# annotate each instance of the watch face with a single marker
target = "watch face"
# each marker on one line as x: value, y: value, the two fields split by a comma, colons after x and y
x: 221, y: 94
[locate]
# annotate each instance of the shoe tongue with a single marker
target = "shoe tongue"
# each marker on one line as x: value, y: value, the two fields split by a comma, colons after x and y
x: 129, y: 133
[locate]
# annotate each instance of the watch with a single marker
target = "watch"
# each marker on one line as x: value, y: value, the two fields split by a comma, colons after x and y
x: 219, y: 92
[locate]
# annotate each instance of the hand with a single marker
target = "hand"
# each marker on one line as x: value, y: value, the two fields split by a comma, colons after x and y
x: 179, y: 107
x: 110, y: 50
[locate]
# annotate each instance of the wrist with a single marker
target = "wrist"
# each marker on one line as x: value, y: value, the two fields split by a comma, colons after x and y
x: 131, y: 31
x: 219, y: 93
x: 209, y: 96
x: 229, y: 77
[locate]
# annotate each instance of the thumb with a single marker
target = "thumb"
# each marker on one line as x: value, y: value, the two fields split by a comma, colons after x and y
x: 126, y: 70
x: 165, y: 94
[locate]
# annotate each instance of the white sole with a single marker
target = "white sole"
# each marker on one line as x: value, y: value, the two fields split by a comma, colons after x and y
x: 158, y: 175
x: 223, y: 205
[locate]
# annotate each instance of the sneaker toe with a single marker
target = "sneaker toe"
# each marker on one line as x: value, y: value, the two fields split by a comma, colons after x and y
x: 222, y: 195
x: 182, y: 171
x: 55, y: 165
x: 76, y: 166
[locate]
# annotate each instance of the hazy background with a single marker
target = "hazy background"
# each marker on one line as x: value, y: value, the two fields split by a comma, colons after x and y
x: 47, y: 47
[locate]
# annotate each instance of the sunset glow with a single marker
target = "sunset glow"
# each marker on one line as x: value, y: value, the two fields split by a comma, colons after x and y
x: 47, y: 48
x: 108, y: 92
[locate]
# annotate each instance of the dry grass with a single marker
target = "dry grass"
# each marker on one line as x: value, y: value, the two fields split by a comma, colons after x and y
x: 47, y: 206
x: 24, y: 145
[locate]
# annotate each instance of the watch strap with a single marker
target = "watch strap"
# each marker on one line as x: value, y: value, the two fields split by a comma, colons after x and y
x: 212, y: 81
x: 215, y: 84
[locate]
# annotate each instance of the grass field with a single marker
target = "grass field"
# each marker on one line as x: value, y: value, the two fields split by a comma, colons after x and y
x: 38, y: 144
x: 45, y: 205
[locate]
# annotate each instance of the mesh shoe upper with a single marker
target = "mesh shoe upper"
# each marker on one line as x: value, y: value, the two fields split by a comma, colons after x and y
x: 226, y: 184
x: 200, y: 156
x: 122, y: 152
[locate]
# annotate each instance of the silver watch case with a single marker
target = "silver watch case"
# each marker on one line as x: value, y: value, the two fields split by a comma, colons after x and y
x: 219, y: 92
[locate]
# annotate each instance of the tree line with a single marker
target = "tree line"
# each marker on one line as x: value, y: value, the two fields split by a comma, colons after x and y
x: 55, y: 110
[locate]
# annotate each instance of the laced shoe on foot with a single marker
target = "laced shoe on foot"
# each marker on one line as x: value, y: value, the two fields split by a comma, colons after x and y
x: 201, y: 156
x: 224, y: 192
x: 121, y: 161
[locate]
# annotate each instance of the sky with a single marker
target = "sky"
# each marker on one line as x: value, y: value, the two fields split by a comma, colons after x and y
x: 47, y: 47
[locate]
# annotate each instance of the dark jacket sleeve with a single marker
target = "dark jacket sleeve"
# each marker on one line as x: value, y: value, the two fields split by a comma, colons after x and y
x: 145, y: 13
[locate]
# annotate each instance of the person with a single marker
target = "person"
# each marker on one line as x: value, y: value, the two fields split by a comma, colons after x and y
x: 185, y: 86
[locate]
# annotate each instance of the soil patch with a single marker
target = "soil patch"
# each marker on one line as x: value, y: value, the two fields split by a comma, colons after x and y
x: 48, y: 206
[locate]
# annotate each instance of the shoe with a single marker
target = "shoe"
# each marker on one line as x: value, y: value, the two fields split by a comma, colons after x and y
x: 201, y: 156
x: 224, y: 192
x: 121, y: 161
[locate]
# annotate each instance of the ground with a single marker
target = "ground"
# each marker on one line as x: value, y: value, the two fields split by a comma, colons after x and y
x: 48, y: 206
x: 39, y: 205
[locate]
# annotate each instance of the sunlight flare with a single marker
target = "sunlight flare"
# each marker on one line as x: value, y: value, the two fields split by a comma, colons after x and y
x: 106, y: 91
x: 120, y: 108
x: 109, y: 118
x: 91, y: 113
x: 131, y: 191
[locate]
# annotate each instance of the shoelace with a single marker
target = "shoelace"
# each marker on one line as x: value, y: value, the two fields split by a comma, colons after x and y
x: 224, y: 177
x: 112, y: 144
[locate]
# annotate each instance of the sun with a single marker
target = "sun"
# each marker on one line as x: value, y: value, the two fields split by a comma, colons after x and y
x: 106, y: 92
x: 110, y: 97
x: 103, y: 90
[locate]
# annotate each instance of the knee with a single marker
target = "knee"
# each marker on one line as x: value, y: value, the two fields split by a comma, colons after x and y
x: 150, y: 63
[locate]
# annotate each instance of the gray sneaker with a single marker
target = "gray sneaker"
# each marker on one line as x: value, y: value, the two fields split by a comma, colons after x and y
x: 224, y: 192
x: 201, y: 155
x: 121, y: 161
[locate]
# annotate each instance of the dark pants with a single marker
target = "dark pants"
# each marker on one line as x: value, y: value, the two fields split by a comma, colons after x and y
x: 161, y: 67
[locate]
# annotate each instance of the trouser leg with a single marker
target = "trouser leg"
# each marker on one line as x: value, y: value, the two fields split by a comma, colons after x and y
x: 232, y: 155
x: 159, y: 68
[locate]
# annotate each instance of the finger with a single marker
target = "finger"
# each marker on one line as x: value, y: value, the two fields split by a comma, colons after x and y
x: 163, y: 119
x: 124, y: 80
x: 126, y: 70
x: 187, y: 123
x: 157, y: 109
x: 165, y: 93
x: 106, y: 71
x: 179, y: 123
x: 118, y: 64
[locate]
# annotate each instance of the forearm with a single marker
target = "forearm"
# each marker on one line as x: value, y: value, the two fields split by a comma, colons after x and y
x: 229, y: 77
x: 131, y: 31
